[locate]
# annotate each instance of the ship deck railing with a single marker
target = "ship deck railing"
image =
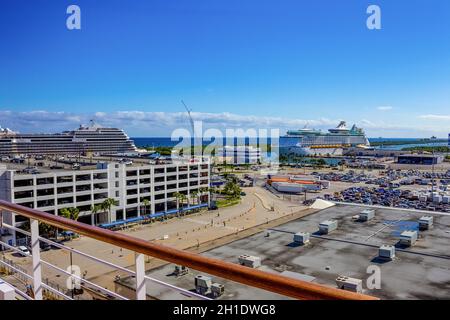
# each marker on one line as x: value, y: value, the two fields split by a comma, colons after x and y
x: 275, y: 283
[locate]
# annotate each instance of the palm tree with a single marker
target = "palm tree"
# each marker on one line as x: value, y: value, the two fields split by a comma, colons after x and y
x: 232, y: 190
x: 194, y: 196
x: 145, y: 203
x: 203, y: 190
x: 44, y: 229
x: 95, y: 209
x: 108, y: 204
x: 341, y: 163
x: 178, y: 197
x: 183, y: 198
x: 321, y: 163
x: 70, y: 213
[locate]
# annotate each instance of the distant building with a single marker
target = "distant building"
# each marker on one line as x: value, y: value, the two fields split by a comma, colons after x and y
x: 420, y: 159
x: 239, y: 154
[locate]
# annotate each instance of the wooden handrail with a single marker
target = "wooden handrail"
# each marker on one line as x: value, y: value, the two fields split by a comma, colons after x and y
x: 256, y: 278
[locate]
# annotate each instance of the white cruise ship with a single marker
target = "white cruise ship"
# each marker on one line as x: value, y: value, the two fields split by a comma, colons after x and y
x: 310, y: 142
x: 85, y: 139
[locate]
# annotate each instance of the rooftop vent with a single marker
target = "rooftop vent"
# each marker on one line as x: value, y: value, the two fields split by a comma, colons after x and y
x: 180, y: 271
x: 301, y: 238
x: 367, y: 215
x: 217, y: 289
x: 386, y: 252
x: 203, y: 284
x: 328, y: 226
x: 408, y: 238
x: 349, y: 284
x: 249, y: 261
x: 425, y: 223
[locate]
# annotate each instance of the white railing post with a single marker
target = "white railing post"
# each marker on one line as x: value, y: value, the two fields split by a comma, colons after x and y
x: 36, y: 256
x: 141, y: 290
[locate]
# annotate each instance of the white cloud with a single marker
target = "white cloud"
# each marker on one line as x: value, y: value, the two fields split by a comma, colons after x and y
x: 435, y: 117
x: 39, y: 121
x: 385, y: 108
x: 142, y: 123
x: 220, y: 120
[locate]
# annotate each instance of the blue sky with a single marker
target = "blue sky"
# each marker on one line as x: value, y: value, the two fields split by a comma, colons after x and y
x: 236, y: 63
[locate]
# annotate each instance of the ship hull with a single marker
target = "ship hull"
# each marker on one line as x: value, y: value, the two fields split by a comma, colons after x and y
x: 305, y: 151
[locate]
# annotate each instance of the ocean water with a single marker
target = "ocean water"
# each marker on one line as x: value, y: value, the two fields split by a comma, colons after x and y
x: 439, y: 143
x: 167, y: 142
x: 402, y: 146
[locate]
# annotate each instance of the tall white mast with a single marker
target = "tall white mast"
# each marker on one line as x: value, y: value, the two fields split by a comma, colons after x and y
x: 190, y: 117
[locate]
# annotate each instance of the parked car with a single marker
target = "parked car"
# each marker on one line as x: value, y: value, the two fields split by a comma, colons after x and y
x: 44, y: 246
x: 23, y: 251
x: 76, y: 166
x: 30, y: 170
x: 59, y: 241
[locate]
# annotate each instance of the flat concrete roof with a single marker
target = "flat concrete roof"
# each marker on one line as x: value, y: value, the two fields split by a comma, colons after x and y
x: 47, y: 165
x: 418, y: 272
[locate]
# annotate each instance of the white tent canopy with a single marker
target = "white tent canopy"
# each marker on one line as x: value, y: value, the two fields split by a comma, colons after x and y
x: 321, y: 204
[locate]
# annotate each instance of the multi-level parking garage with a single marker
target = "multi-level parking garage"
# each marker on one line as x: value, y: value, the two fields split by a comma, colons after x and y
x: 131, y: 186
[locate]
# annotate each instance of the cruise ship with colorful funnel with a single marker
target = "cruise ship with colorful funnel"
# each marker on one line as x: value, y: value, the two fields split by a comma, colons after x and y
x: 311, y: 142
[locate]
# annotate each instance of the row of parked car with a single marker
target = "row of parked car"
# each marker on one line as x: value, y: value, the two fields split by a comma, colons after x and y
x: 44, y: 246
x: 386, y: 197
x: 350, y: 176
x: 389, y: 179
x: 25, y: 251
